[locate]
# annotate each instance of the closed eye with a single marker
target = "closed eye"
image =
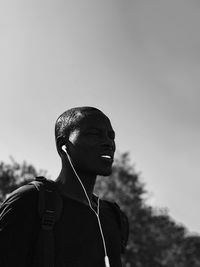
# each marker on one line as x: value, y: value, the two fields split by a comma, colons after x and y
x: 93, y: 132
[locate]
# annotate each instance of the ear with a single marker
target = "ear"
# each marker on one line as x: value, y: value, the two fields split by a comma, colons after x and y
x: 61, y: 146
x: 64, y: 148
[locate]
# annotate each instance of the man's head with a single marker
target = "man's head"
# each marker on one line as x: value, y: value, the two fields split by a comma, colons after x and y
x: 89, y: 139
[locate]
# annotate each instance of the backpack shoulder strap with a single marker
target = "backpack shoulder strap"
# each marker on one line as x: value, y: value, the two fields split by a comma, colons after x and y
x: 123, y: 224
x: 50, y: 209
x: 49, y: 202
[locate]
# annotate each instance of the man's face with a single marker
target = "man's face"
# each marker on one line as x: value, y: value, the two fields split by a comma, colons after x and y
x: 92, y: 146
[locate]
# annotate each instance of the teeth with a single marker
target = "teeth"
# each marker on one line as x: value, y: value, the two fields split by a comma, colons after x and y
x: 106, y: 156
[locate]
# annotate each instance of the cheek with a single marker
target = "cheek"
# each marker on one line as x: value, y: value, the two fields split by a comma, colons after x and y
x: 85, y: 148
x: 74, y: 137
x: 83, y: 156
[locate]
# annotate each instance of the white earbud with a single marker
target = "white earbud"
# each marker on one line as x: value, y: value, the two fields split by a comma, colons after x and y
x: 64, y: 148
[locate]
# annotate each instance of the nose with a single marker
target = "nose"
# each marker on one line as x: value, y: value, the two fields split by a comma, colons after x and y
x: 108, y: 143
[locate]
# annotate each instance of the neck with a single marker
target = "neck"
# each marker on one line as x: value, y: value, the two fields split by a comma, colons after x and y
x: 70, y: 186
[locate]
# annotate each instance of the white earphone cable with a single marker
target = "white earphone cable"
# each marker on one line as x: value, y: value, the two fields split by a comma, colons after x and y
x: 106, y: 259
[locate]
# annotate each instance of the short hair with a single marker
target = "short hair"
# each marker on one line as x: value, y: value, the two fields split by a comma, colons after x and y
x: 69, y: 120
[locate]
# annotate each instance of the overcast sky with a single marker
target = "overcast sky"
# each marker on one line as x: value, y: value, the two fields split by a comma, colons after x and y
x: 138, y: 61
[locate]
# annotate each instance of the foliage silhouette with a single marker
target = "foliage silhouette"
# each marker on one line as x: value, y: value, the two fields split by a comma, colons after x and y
x: 155, y: 239
x: 14, y: 175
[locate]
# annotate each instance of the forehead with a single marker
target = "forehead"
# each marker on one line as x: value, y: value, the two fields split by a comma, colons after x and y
x: 95, y: 120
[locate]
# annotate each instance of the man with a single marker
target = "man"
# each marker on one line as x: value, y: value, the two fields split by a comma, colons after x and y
x: 89, y: 232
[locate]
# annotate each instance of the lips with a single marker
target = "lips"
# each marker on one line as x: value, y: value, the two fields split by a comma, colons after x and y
x: 107, y: 157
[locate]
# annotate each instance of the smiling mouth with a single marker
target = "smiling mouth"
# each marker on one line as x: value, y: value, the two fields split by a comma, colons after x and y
x: 107, y: 158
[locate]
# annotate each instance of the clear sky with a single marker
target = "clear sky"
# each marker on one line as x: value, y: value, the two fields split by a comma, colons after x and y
x: 138, y: 61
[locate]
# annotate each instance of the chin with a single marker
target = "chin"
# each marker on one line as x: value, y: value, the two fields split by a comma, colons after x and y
x: 105, y: 172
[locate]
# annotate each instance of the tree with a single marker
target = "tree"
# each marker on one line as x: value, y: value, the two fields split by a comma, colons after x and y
x: 187, y: 254
x: 155, y: 240
x: 13, y: 175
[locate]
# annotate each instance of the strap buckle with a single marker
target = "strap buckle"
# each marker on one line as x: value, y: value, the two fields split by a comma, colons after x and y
x: 48, y: 220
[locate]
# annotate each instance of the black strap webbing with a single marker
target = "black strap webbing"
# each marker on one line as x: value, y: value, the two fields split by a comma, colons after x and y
x: 123, y: 224
x: 49, y: 208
